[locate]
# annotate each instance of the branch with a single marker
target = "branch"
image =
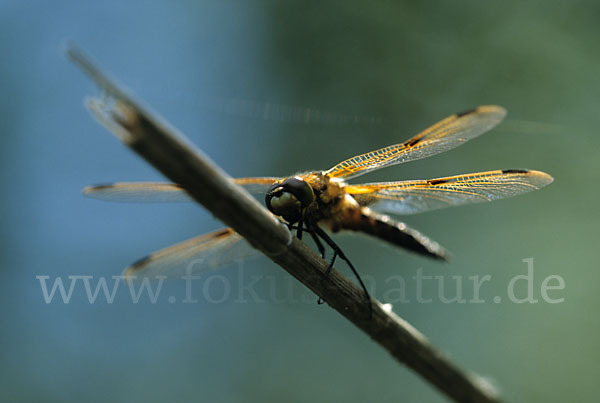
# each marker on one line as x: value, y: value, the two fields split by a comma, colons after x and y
x: 164, y: 148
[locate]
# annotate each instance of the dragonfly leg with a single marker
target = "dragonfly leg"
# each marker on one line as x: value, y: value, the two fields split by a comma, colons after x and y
x: 318, y: 242
x: 322, y: 252
x: 335, y: 254
x: 320, y: 247
x: 337, y: 251
x: 324, y: 275
x: 300, y: 228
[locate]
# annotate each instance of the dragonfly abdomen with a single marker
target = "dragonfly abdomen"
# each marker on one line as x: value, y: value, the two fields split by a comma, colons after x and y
x: 394, y: 232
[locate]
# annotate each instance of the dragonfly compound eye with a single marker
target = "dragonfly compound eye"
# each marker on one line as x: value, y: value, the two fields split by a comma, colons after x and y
x: 287, y: 199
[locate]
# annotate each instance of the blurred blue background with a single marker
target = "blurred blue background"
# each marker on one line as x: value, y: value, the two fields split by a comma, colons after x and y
x: 379, y: 73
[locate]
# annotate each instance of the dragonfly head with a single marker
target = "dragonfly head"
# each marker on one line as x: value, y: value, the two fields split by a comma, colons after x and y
x: 288, y: 198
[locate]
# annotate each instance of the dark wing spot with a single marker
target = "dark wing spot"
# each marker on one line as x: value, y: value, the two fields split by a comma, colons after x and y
x: 461, y: 114
x: 412, y: 142
x: 101, y: 186
x: 437, y: 181
x: 515, y: 171
x: 140, y: 262
x: 223, y: 232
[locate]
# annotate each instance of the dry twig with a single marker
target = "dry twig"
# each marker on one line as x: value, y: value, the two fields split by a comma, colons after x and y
x: 178, y: 160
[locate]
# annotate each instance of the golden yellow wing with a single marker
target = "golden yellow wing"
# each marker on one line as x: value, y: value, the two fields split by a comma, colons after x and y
x: 206, y: 252
x: 443, y: 136
x: 409, y: 197
x: 158, y: 192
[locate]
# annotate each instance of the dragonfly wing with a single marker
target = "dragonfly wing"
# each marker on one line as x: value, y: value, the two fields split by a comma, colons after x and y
x: 138, y: 192
x: 257, y: 186
x: 206, y: 252
x: 158, y: 192
x: 443, y: 136
x: 409, y: 197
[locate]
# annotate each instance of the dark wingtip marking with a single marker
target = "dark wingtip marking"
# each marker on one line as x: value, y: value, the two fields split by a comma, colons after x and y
x: 93, y: 188
x: 412, y: 142
x: 223, y: 232
x: 461, y: 114
x: 515, y: 171
x: 437, y: 181
x: 139, y: 263
x: 100, y: 186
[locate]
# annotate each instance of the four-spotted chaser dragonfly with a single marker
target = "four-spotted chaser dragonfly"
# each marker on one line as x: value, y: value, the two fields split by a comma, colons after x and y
x: 309, y: 201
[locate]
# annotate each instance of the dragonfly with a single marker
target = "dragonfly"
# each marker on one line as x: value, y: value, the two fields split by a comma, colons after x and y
x: 311, y: 201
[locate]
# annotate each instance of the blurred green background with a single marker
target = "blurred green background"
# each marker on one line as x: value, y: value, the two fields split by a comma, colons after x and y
x: 377, y: 73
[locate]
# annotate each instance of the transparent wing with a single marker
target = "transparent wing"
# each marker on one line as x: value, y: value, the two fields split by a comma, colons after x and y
x: 409, y: 197
x: 257, y: 185
x: 206, y: 252
x: 443, y: 136
x: 158, y: 192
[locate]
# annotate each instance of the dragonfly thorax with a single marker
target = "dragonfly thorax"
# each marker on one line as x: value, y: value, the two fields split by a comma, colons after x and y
x: 289, y: 198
